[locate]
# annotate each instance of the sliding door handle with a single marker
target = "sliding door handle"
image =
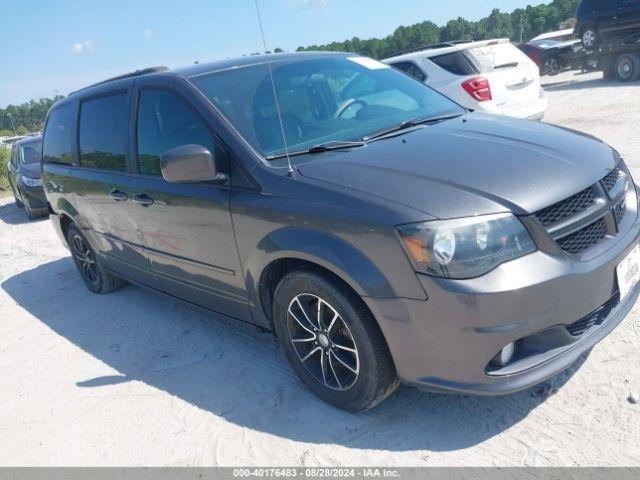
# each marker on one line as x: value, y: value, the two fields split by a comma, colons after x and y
x: 117, y: 195
x: 142, y: 199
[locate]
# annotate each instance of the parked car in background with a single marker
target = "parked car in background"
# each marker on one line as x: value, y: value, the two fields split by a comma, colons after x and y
x: 551, y: 56
x: 558, y: 35
x: 7, y: 142
x: 25, y: 178
x: 491, y: 76
x: 604, y: 19
x: 386, y: 233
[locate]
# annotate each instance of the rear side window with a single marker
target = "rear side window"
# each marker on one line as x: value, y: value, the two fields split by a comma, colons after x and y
x: 411, y: 69
x: 165, y: 121
x: 496, y: 57
x: 455, y: 63
x: 58, y: 135
x: 103, y: 132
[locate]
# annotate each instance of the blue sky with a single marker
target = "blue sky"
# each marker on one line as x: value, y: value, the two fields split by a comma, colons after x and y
x: 55, y: 46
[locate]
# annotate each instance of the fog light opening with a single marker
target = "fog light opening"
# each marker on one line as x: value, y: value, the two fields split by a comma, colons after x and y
x: 504, y: 357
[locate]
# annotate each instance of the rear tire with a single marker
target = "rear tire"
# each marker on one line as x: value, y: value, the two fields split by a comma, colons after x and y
x: 590, y: 37
x: 627, y: 67
x: 551, y: 66
x: 88, y: 264
x: 332, y: 341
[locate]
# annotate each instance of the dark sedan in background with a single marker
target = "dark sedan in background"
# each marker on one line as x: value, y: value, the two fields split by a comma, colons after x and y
x: 24, y: 176
x: 552, y: 56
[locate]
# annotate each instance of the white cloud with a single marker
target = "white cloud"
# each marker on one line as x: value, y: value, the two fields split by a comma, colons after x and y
x: 80, y: 47
x: 313, y: 5
x: 148, y: 32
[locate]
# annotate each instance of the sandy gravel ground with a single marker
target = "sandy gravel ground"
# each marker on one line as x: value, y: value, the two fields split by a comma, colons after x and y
x: 135, y: 379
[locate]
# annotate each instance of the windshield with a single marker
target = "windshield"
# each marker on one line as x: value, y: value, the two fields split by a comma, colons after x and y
x: 327, y: 99
x: 31, y: 152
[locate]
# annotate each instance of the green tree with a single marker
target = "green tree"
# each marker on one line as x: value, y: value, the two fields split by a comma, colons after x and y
x: 535, y: 20
x: 28, y: 116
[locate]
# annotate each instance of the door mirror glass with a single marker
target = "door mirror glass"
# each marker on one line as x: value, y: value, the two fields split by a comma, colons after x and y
x: 189, y: 163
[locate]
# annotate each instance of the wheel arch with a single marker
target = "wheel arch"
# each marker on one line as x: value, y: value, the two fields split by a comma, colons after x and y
x: 292, y: 249
x: 67, y: 215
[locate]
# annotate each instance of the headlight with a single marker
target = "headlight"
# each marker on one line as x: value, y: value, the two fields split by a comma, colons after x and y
x: 467, y: 247
x: 31, y: 182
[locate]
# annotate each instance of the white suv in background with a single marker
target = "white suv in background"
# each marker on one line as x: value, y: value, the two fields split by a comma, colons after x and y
x: 491, y: 75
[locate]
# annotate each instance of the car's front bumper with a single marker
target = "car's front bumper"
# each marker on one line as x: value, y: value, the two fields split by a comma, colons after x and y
x: 447, y: 342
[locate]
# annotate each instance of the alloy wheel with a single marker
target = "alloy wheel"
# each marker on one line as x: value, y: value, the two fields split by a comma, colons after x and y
x: 86, y: 259
x: 589, y: 38
x: 323, y: 342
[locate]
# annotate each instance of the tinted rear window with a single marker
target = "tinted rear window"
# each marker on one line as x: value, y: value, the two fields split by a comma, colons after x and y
x: 455, y: 63
x: 58, y: 135
x: 587, y: 6
x: 103, y: 132
x: 499, y: 56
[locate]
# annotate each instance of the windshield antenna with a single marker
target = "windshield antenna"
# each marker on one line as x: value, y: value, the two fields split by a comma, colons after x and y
x: 275, y: 94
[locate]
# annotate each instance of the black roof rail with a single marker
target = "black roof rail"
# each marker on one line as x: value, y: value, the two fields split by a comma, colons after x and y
x: 135, y: 73
x: 433, y: 46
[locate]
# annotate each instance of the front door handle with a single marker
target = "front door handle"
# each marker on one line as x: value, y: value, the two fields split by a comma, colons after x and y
x: 142, y: 199
x: 117, y: 195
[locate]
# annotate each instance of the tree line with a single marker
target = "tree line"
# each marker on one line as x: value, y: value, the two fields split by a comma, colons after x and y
x: 528, y: 22
x: 25, y: 118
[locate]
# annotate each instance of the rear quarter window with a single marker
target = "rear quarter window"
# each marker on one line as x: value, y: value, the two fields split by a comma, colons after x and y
x: 103, y: 132
x: 410, y: 69
x: 455, y: 63
x: 58, y: 135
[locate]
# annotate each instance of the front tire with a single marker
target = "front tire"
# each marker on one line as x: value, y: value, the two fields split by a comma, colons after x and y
x: 332, y: 341
x: 88, y: 264
x: 29, y: 213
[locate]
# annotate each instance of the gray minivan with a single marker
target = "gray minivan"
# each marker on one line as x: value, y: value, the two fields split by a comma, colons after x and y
x: 383, y: 232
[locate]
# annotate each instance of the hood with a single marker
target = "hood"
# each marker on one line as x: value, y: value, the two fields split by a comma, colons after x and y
x: 472, y: 165
x: 30, y: 170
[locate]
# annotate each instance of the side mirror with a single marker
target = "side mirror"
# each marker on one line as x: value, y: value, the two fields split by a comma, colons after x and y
x: 188, y: 164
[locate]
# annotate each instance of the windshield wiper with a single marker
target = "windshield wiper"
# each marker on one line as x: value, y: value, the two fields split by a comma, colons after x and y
x: 319, y: 148
x: 409, y: 124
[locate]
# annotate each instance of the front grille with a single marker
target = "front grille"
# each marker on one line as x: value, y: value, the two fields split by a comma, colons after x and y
x: 611, y: 179
x: 567, y: 208
x: 589, y: 215
x: 597, y: 317
x: 619, y: 211
x: 584, y: 238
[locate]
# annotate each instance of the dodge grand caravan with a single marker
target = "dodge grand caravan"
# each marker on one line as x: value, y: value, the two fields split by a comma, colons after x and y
x: 383, y: 232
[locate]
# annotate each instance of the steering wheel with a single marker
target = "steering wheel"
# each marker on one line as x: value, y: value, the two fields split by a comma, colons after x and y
x: 348, y: 104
